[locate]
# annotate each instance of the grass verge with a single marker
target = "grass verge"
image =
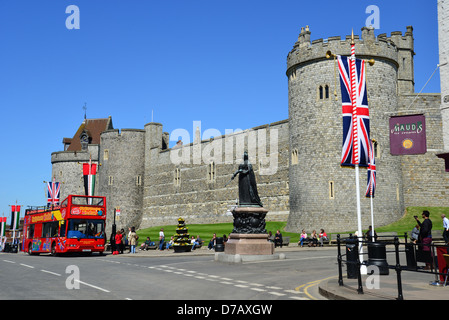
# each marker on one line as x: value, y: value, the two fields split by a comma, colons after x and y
x: 205, y: 231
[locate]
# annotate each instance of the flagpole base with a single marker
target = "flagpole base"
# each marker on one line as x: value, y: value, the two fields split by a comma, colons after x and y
x: 363, y: 270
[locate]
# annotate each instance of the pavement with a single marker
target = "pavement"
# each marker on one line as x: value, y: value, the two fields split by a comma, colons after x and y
x: 416, y: 285
x: 419, y: 285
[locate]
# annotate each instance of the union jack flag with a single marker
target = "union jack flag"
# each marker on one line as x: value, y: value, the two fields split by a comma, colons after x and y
x: 355, y: 111
x: 371, y: 183
x: 53, y: 192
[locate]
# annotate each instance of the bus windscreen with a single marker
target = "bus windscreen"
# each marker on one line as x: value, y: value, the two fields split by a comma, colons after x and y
x: 92, y: 201
x: 85, y: 229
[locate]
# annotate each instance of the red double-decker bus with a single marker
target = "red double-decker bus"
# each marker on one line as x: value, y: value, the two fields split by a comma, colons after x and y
x: 77, y: 225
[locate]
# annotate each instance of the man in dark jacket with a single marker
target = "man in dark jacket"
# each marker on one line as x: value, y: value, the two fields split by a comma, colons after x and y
x: 425, y: 239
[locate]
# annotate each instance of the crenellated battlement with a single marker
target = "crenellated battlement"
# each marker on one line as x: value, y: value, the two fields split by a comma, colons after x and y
x: 398, y: 50
x: 367, y: 46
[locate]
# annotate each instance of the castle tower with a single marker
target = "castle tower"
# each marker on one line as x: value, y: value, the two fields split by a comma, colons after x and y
x: 121, y: 175
x: 443, y: 42
x: 322, y: 194
x: 82, y: 147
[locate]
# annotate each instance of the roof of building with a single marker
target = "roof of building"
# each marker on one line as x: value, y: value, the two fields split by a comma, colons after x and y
x: 93, y: 128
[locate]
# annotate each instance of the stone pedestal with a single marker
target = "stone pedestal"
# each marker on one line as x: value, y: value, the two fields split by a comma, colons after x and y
x: 249, y: 244
x: 249, y: 236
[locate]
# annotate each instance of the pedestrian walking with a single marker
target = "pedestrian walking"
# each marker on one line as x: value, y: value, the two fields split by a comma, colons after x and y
x: 133, y: 240
x: 118, y: 241
x: 425, y: 240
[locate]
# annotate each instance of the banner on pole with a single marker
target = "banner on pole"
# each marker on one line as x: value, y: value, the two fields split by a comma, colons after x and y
x: 408, y: 135
x: 2, y: 227
x: 356, y: 126
x: 53, y: 193
x: 15, y: 217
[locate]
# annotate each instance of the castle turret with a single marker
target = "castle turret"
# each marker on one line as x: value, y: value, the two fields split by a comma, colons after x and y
x: 84, y: 146
x: 405, y: 45
x: 121, y: 175
x: 322, y: 194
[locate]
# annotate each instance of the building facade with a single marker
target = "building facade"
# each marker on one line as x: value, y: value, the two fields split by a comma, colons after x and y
x: 296, y: 161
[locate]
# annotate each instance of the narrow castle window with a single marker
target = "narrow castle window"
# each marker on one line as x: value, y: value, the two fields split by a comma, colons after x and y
x: 331, y: 190
x: 323, y: 92
x: 110, y: 180
x: 295, y: 159
x: 376, y: 148
x: 106, y: 154
x: 177, y: 177
x: 138, y: 180
x: 211, y: 172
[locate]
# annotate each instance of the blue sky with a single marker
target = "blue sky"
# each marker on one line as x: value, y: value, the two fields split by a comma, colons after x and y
x: 219, y: 62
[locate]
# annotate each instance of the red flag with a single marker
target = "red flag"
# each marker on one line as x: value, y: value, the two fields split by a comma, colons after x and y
x: 85, y: 169
x: 89, y: 168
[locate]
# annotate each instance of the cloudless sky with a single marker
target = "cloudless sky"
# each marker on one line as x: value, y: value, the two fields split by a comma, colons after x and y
x: 219, y: 62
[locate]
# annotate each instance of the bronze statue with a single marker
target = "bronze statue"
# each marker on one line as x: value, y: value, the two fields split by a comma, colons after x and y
x: 248, y: 195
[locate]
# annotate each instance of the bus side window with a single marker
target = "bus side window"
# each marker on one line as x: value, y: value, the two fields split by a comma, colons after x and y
x: 51, y: 229
x: 30, y: 233
x: 62, y: 228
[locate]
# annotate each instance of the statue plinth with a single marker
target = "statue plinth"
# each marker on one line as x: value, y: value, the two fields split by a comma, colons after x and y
x: 249, y: 219
x: 249, y: 236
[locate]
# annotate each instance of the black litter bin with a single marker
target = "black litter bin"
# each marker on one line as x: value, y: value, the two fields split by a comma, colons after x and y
x: 377, y: 256
x: 352, y: 253
x: 410, y: 256
x: 219, y: 247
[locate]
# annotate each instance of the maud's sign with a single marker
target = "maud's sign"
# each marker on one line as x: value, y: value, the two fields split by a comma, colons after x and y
x: 408, y: 135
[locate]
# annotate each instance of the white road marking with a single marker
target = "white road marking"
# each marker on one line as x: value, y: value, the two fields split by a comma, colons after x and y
x: 53, y: 273
x: 92, y: 286
x: 9, y: 261
x: 276, y: 293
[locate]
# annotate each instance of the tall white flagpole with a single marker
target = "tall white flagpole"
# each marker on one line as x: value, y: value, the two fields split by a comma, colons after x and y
x: 355, y: 122
x: 359, y: 220
x: 372, y: 218
x: 371, y: 182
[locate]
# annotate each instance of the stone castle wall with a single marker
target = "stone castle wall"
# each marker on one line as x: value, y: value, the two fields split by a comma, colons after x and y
x: 425, y: 183
x: 196, y: 191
